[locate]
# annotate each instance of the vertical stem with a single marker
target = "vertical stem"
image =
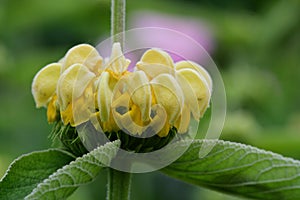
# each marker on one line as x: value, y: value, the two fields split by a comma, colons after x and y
x: 118, y: 20
x: 119, y: 182
x: 118, y: 185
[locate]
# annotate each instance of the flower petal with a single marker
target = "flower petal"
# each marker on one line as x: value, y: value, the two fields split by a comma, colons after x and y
x: 153, y: 70
x: 140, y: 92
x: 104, y: 97
x: 192, y: 65
x: 182, y: 124
x: 190, y: 97
x: 72, y: 84
x: 159, y: 122
x: 129, y: 120
x: 44, y: 84
x: 82, y: 108
x: 127, y: 116
x: 168, y: 94
x: 199, y: 87
x: 83, y: 54
x: 52, y: 113
x: 157, y: 56
x: 117, y: 61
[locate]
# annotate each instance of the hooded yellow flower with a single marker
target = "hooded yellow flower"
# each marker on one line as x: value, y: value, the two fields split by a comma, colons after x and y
x: 189, y: 82
x: 157, y: 96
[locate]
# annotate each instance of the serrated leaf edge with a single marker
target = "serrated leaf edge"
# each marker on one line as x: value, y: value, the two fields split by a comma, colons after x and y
x: 61, y: 170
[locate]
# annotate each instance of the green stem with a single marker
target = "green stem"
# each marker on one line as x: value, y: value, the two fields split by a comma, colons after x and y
x: 118, y: 20
x: 118, y: 185
x: 118, y: 182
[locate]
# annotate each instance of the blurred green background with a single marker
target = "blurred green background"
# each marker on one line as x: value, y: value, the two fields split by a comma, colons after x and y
x: 256, y: 47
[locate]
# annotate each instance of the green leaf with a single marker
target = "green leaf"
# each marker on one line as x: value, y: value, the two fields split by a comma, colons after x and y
x: 238, y: 169
x: 83, y: 170
x: 26, y: 172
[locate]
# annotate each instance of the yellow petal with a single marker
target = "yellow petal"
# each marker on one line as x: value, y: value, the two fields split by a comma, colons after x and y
x: 103, y: 127
x: 44, y: 84
x: 157, y: 56
x: 95, y: 120
x: 168, y: 94
x: 153, y: 70
x: 198, y: 68
x: 199, y: 88
x: 83, y: 54
x: 127, y: 116
x: 52, y: 113
x: 81, y: 110
x: 121, y: 102
x: 190, y: 97
x: 104, y: 97
x: 159, y: 123
x: 140, y: 92
x: 183, y: 122
x: 129, y: 120
x: 72, y: 84
x: 117, y: 62
x: 67, y: 115
x: 164, y: 132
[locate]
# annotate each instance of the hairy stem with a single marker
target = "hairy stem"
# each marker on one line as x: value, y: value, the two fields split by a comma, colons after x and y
x: 118, y: 185
x: 118, y: 20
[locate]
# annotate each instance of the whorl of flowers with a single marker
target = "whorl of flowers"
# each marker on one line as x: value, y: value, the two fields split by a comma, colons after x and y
x: 155, y: 96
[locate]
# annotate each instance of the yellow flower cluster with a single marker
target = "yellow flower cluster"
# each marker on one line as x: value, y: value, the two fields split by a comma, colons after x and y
x: 156, y: 96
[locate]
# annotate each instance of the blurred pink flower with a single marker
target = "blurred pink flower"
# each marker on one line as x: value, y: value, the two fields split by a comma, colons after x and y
x: 191, y: 27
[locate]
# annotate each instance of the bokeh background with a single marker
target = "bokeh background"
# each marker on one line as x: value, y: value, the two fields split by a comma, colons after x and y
x: 255, y: 44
